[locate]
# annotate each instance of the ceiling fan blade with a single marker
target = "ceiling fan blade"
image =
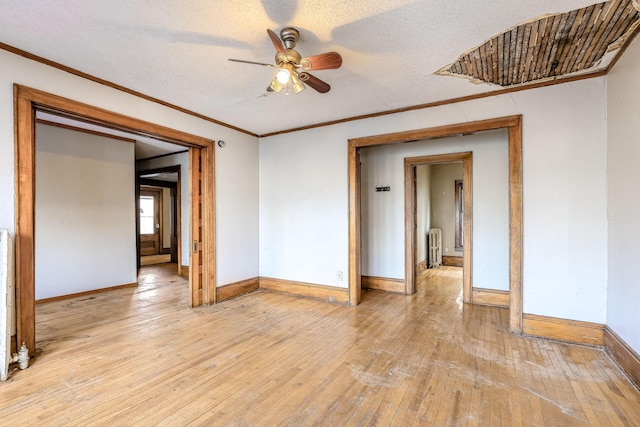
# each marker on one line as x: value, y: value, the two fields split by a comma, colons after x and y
x: 277, y: 43
x: 324, y: 61
x: 315, y: 82
x: 252, y: 62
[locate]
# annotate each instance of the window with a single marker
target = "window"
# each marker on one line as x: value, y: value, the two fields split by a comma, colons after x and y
x: 459, y: 215
x: 147, y: 217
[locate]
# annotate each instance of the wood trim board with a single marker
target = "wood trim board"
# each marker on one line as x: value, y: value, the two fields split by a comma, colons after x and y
x: 623, y: 355
x: 85, y: 293
x: 458, y: 217
x: 184, y: 270
x: 396, y: 286
x: 453, y: 261
x: 195, y: 248
x: 573, y: 331
x: 410, y: 212
x: 236, y: 289
x: 308, y: 290
x: 355, y: 235
x: 178, y: 222
x: 209, y: 224
x: 515, y: 226
x: 491, y: 297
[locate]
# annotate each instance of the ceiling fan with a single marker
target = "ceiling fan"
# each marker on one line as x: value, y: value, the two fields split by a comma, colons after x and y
x: 292, y: 67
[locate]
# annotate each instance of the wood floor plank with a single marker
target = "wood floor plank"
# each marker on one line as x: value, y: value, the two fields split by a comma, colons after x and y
x: 141, y: 356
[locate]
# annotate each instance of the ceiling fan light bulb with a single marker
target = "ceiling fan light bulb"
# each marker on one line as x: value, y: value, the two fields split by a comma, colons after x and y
x: 283, y: 76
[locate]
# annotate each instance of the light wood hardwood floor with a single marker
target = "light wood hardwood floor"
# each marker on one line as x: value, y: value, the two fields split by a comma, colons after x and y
x: 142, y: 357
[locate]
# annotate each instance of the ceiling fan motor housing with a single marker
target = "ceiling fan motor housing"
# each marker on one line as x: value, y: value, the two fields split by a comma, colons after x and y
x: 290, y: 56
x: 290, y: 37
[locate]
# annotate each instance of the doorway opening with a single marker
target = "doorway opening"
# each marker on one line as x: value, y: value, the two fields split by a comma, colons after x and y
x: 28, y: 101
x: 513, y: 125
x: 159, y: 218
x: 411, y: 218
x: 151, y: 231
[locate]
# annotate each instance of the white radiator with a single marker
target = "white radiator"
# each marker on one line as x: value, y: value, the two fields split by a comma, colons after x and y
x: 7, y: 302
x: 435, y: 248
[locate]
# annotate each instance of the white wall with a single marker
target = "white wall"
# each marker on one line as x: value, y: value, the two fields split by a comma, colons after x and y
x: 623, y: 314
x: 85, y: 212
x: 182, y: 160
x: 237, y: 213
x: 383, y: 253
x: 443, y: 201
x: 423, y: 210
x: 304, y: 194
x: 303, y: 209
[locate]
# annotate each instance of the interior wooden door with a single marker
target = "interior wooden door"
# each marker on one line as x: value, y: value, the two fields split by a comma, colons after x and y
x: 150, y: 221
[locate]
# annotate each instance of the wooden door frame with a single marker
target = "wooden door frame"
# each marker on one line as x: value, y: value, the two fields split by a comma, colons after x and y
x: 513, y: 124
x: 410, y: 164
x: 26, y: 102
x: 177, y: 205
x: 159, y: 204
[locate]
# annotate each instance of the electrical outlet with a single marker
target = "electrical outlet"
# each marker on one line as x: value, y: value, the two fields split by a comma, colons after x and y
x: 339, y: 276
x: 446, y: 250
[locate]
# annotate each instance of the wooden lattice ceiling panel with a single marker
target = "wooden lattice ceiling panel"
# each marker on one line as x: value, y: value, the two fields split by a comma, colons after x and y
x: 550, y: 46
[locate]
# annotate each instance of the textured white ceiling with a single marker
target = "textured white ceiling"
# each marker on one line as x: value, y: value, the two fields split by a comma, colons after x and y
x: 177, y: 51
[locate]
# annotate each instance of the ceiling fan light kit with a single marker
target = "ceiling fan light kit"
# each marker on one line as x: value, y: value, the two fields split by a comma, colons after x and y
x: 293, y: 68
x: 297, y: 83
x: 283, y: 76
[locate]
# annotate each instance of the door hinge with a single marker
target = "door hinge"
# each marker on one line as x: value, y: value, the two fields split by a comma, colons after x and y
x: 195, y: 246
